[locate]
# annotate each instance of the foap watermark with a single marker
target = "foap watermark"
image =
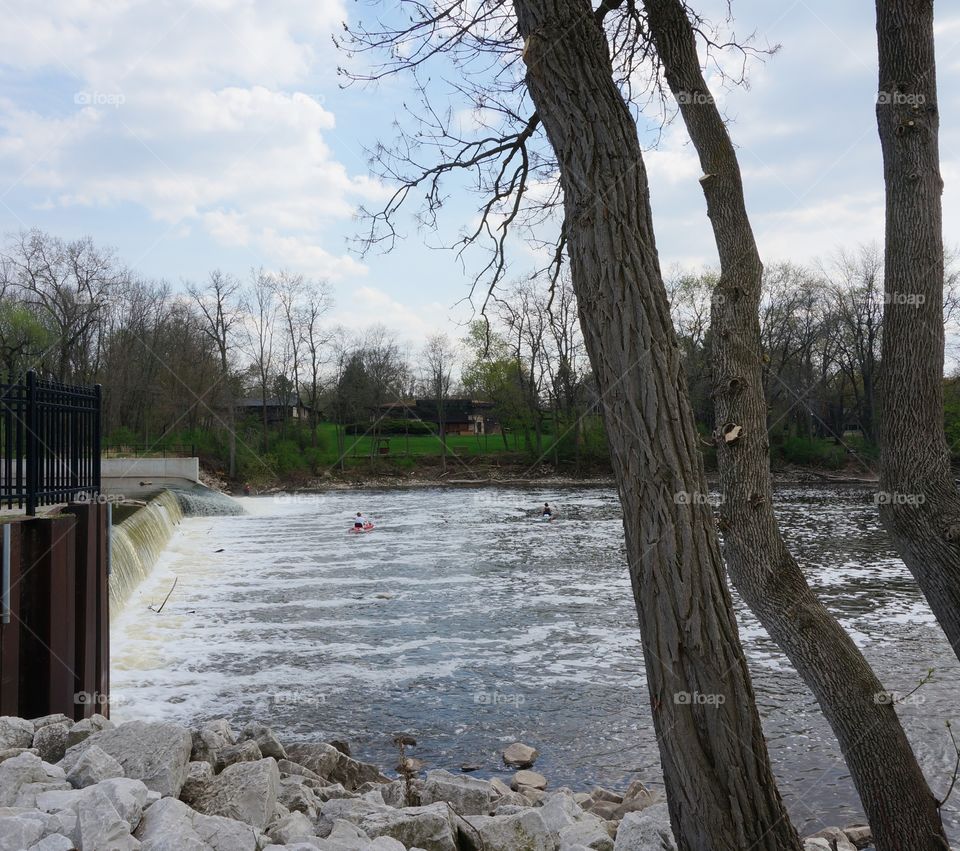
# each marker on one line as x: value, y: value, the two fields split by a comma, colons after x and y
x: 895, y: 498
x: 696, y: 698
x: 697, y: 98
x: 905, y: 299
x: 297, y: 698
x: 97, y: 700
x: 93, y: 98
x: 886, y: 698
x: 88, y: 498
x: 901, y: 98
x: 496, y: 698
x: 695, y: 498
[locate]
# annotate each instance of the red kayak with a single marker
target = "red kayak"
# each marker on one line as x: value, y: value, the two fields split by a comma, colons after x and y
x: 367, y: 527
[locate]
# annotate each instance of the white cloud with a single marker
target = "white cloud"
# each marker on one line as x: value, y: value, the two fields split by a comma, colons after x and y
x: 200, y: 113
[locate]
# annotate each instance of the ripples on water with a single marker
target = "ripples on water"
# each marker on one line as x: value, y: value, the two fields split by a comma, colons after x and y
x: 465, y: 620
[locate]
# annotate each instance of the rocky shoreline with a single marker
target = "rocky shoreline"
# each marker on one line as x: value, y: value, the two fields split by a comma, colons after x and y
x: 96, y: 786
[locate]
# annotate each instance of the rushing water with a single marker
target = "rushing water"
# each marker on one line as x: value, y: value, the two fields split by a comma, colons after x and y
x: 466, y: 621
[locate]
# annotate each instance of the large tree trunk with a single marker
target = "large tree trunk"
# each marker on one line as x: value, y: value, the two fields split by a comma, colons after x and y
x: 899, y: 805
x: 919, y: 504
x: 720, y: 788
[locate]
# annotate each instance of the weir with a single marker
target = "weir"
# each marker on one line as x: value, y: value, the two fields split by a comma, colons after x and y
x: 140, y: 539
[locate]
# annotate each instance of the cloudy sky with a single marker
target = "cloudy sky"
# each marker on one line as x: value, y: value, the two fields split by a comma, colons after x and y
x: 214, y: 134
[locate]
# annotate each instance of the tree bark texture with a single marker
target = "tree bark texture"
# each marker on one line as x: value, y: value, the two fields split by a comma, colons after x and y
x: 720, y: 787
x: 899, y: 805
x: 919, y: 504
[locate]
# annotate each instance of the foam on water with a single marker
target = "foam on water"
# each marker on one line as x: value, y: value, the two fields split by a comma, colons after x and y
x: 463, y: 620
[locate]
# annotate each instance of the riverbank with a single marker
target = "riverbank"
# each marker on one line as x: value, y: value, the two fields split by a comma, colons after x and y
x: 161, y: 786
x: 541, y: 476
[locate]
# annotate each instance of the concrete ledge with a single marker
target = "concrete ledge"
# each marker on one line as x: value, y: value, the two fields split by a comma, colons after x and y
x: 127, y: 474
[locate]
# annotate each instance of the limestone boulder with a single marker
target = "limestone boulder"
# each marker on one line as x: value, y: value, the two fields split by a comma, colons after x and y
x: 24, y: 777
x: 199, y: 774
x: 19, y: 832
x: 15, y: 732
x: 291, y: 828
x: 299, y: 798
x: 836, y: 839
x: 859, y: 834
x: 589, y: 834
x: 99, y: 825
x: 50, y: 741
x: 268, y: 743
x: 156, y: 753
x: 428, y: 827
x: 211, y: 738
x: 519, y: 755
x: 529, y: 779
x: 525, y: 829
x: 54, y: 842
x: 94, y: 765
x: 467, y: 795
x: 647, y: 830
x: 638, y: 797
x: 245, y: 791
x: 87, y: 727
x: 170, y: 825
x: 248, y: 751
x: 318, y: 757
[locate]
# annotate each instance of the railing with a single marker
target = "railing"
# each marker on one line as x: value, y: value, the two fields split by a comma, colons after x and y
x: 49, y: 442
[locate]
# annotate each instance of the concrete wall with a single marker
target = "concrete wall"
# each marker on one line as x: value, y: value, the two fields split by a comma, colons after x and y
x: 132, y: 475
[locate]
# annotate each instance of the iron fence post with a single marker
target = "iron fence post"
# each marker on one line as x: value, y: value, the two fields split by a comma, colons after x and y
x: 32, y: 461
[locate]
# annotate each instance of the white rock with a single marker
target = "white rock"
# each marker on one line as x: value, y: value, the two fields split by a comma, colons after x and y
x: 836, y: 839
x: 320, y: 758
x: 428, y: 827
x: 592, y: 834
x: 55, y: 718
x: 648, y: 830
x: 291, y: 828
x: 54, y: 842
x: 468, y: 795
x: 15, y: 732
x: 93, y: 766
x: 99, y: 824
x: 560, y: 810
x: 525, y: 829
x: 128, y: 796
x: 23, y: 777
x: 156, y: 753
x: 87, y: 727
x: 530, y: 779
x: 170, y: 825
x: 245, y: 791
x: 268, y: 743
x: 19, y: 832
x: 816, y: 845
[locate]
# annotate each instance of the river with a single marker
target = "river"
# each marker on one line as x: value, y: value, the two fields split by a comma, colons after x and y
x: 464, y: 620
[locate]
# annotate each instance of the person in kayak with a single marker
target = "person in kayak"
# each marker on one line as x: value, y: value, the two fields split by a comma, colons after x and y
x: 547, y: 511
x: 359, y: 521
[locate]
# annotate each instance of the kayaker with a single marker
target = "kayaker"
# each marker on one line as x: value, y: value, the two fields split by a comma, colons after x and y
x: 547, y: 511
x: 359, y: 521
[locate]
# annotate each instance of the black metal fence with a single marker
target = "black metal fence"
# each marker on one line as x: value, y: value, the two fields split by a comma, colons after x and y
x: 49, y: 442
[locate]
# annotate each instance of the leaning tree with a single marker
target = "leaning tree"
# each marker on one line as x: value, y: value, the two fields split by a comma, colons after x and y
x: 549, y: 71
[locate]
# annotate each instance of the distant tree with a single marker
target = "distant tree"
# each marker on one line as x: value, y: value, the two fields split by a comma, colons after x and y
x: 219, y: 304
x: 438, y: 360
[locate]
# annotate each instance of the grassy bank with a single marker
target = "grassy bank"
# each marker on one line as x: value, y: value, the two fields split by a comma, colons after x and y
x: 296, y: 456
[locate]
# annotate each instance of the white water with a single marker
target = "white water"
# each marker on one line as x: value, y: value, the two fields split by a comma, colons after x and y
x: 463, y: 620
